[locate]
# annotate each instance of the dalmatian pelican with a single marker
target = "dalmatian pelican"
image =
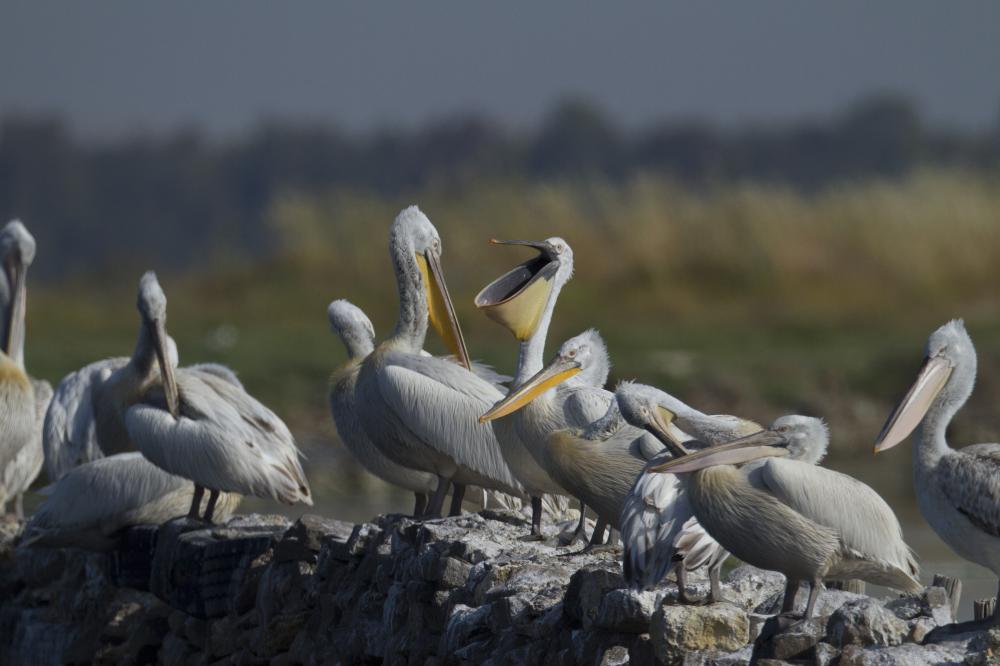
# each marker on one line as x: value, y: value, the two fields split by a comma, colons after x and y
x: 522, y: 301
x: 198, y: 425
x: 421, y: 411
x: 24, y: 398
x: 596, y: 463
x: 92, y: 502
x: 958, y: 490
x: 790, y: 516
x: 659, y: 530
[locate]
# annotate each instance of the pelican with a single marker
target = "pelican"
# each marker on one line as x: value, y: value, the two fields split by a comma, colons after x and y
x: 355, y: 330
x: 421, y: 411
x: 358, y: 335
x: 806, y: 522
x: 90, y: 505
x: 658, y: 528
x: 198, y: 425
x: 523, y: 300
x: 22, y: 397
x: 597, y: 463
x: 958, y: 491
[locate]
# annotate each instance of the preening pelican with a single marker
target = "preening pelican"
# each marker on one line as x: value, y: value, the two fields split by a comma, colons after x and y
x: 657, y: 524
x: 596, y: 463
x: 93, y: 502
x: 958, y: 491
x: 422, y: 411
x: 22, y: 398
x: 790, y: 516
x: 523, y: 300
x: 195, y: 423
x: 358, y: 335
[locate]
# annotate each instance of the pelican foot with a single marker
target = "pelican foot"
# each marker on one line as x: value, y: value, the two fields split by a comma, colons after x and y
x: 949, y: 632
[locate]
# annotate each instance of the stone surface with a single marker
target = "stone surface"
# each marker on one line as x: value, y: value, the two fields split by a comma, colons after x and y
x: 676, y: 630
x: 454, y: 591
x: 865, y: 622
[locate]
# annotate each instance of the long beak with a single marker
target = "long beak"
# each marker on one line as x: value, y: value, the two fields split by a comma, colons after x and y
x: 166, y: 368
x: 557, y: 372
x: 662, y: 427
x: 440, y: 309
x: 913, y: 407
x: 763, y: 444
x: 13, y: 344
x: 517, y: 299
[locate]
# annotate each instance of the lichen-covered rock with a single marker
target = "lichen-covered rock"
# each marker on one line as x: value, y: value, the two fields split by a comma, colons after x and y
x: 865, y: 622
x: 677, y: 630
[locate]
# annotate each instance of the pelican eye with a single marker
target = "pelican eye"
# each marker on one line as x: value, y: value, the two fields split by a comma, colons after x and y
x: 571, y: 353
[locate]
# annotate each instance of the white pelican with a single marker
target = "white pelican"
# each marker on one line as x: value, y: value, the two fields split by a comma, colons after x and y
x: 806, y: 522
x: 421, y: 411
x: 657, y: 524
x: 23, y: 398
x: 197, y: 424
x: 596, y: 463
x: 93, y: 502
x: 523, y: 300
x: 958, y: 491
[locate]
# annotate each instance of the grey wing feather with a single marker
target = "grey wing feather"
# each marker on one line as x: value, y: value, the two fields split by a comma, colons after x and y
x: 68, y: 436
x: 866, y: 524
x: 585, y: 404
x: 970, y: 479
x: 217, y: 370
x: 224, y: 440
x: 101, y: 491
x: 440, y: 402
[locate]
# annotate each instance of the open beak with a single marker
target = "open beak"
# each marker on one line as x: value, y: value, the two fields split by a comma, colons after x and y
x: 516, y: 299
x: 166, y: 368
x: 906, y: 417
x: 13, y: 343
x: 764, y: 444
x: 440, y: 309
x: 557, y: 372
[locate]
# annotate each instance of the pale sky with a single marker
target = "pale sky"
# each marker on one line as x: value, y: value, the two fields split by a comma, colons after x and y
x: 122, y: 66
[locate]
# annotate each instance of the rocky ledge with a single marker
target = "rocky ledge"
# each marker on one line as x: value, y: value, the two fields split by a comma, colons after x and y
x: 461, y: 590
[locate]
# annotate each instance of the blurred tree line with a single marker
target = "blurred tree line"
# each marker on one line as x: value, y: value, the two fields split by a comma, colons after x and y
x: 189, y: 199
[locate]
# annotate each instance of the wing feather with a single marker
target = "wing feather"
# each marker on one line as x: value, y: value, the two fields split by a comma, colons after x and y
x: 970, y: 479
x: 867, y: 527
x: 69, y: 437
x: 224, y: 439
x: 440, y: 403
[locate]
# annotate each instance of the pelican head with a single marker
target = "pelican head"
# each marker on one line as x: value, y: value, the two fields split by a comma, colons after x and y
x: 413, y: 230
x: 152, y: 306
x: 585, y: 355
x: 640, y: 406
x: 517, y: 299
x: 947, y: 375
x: 808, y: 437
x: 17, y: 251
x: 354, y: 328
